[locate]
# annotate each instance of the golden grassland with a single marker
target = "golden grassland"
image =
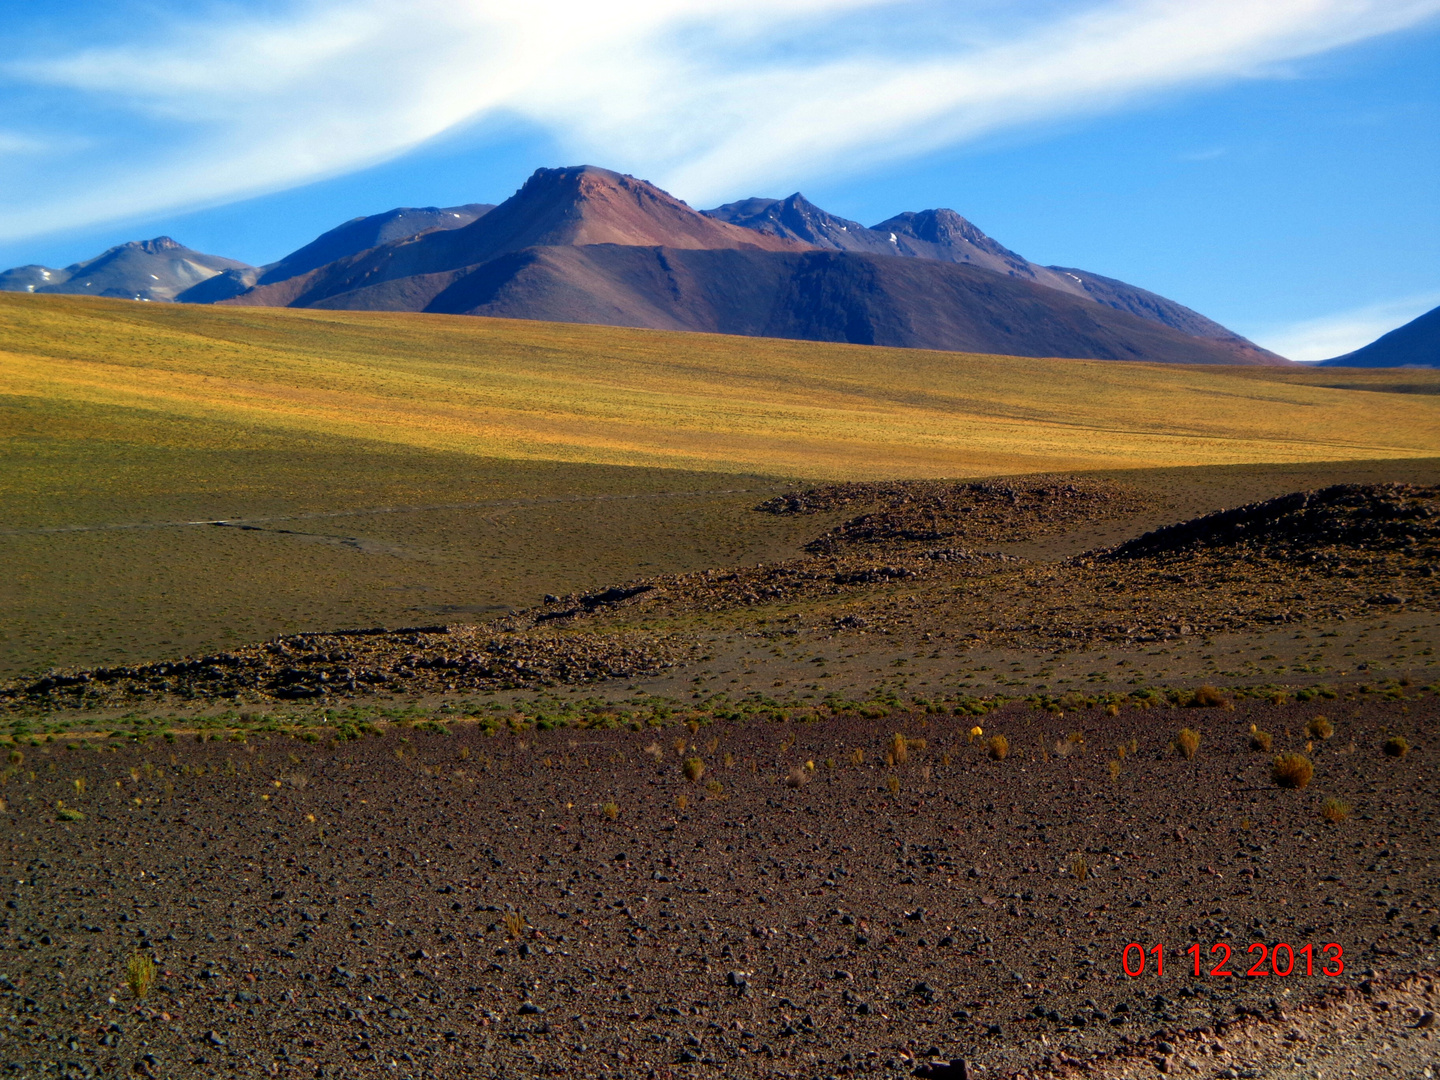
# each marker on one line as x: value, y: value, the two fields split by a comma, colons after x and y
x: 612, y: 396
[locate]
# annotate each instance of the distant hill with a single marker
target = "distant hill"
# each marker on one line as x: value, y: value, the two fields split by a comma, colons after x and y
x: 589, y: 245
x: 944, y: 236
x: 356, y: 235
x: 158, y: 269
x: 1416, y: 344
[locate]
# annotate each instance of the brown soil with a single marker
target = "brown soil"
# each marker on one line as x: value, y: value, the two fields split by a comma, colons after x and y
x: 339, y: 909
x: 909, y: 568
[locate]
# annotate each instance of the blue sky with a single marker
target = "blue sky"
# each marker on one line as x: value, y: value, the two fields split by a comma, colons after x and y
x: 1273, y: 165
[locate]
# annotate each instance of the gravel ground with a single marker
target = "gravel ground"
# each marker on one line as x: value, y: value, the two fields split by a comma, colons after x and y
x: 423, y: 904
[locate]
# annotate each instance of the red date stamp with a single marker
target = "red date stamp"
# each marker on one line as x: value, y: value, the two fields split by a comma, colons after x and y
x: 1278, y: 960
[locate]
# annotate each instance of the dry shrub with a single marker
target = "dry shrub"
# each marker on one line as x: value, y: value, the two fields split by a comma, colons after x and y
x: 999, y: 747
x: 1112, y: 709
x: 899, y: 749
x: 464, y: 753
x: 729, y: 759
x: 1114, y: 769
x: 1279, y: 697
x: 682, y: 801
x: 1320, y: 727
x: 1207, y: 697
x: 140, y: 974
x: 694, y: 726
x: 944, y: 759
x: 1080, y: 868
x: 1292, y: 770
x: 1335, y: 810
x: 857, y: 756
x: 1260, y: 740
x: 514, y: 924
x: 610, y: 810
x: 889, y: 760
x: 679, y: 745
x: 1063, y: 748
x: 1396, y: 746
x: 654, y: 750
x: 1188, y: 742
x: 1134, y: 747
x: 694, y: 769
x: 797, y: 777
x: 714, y: 787
x: 1075, y: 738
x: 712, y: 746
x: 892, y: 784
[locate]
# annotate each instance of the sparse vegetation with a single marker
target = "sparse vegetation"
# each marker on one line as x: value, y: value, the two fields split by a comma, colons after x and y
x: 1334, y: 810
x: 694, y: 769
x: 899, y: 751
x: 1292, y: 770
x: 998, y: 747
x: 610, y: 810
x: 1114, y: 769
x: 140, y: 973
x: 1080, y: 868
x: 1207, y: 697
x: 857, y: 756
x: 797, y: 777
x: 1187, y: 742
x: 892, y: 784
x: 1396, y: 746
x: 1260, y: 741
x: 714, y: 787
x: 68, y: 813
x: 1319, y: 727
x: 514, y: 924
x: 682, y: 802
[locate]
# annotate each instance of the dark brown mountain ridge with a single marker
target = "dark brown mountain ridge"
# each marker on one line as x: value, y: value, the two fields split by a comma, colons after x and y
x: 589, y: 245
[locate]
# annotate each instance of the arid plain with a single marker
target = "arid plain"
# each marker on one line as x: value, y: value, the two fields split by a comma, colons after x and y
x: 674, y: 770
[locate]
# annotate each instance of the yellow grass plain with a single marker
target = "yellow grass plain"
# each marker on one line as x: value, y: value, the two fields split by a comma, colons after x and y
x: 590, y: 394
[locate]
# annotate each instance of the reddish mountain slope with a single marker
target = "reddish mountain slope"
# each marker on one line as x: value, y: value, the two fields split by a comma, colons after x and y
x: 589, y: 245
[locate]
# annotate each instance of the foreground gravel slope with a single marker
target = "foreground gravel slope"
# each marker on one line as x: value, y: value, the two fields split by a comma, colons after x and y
x: 340, y: 909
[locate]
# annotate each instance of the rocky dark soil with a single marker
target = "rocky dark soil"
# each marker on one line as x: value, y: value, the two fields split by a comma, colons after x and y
x: 919, y: 566
x: 419, y: 903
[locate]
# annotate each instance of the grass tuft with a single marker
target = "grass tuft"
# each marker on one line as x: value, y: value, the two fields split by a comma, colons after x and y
x: 1187, y: 742
x: 899, y: 750
x: 1334, y: 810
x: 1292, y: 770
x: 1260, y: 741
x: 140, y: 974
x: 1207, y: 697
x: 797, y: 777
x: 998, y: 747
x: 514, y: 924
x: 1080, y: 868
x: 1114, y: 769
x: 892, y: 784
x: 610, y: 810
x: 857, y: 756
x: 694, y: 769
x: 1319, y: 727
x: 1396, y: 746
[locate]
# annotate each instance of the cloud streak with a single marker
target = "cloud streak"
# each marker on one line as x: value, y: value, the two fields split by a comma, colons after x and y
x: 711, y: 98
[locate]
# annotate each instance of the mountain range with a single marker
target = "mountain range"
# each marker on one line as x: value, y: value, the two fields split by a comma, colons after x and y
x: 585, y: 244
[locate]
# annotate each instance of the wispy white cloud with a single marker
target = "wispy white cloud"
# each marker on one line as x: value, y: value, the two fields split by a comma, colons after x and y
x: 708, y: 97
x: 1345, y: 331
